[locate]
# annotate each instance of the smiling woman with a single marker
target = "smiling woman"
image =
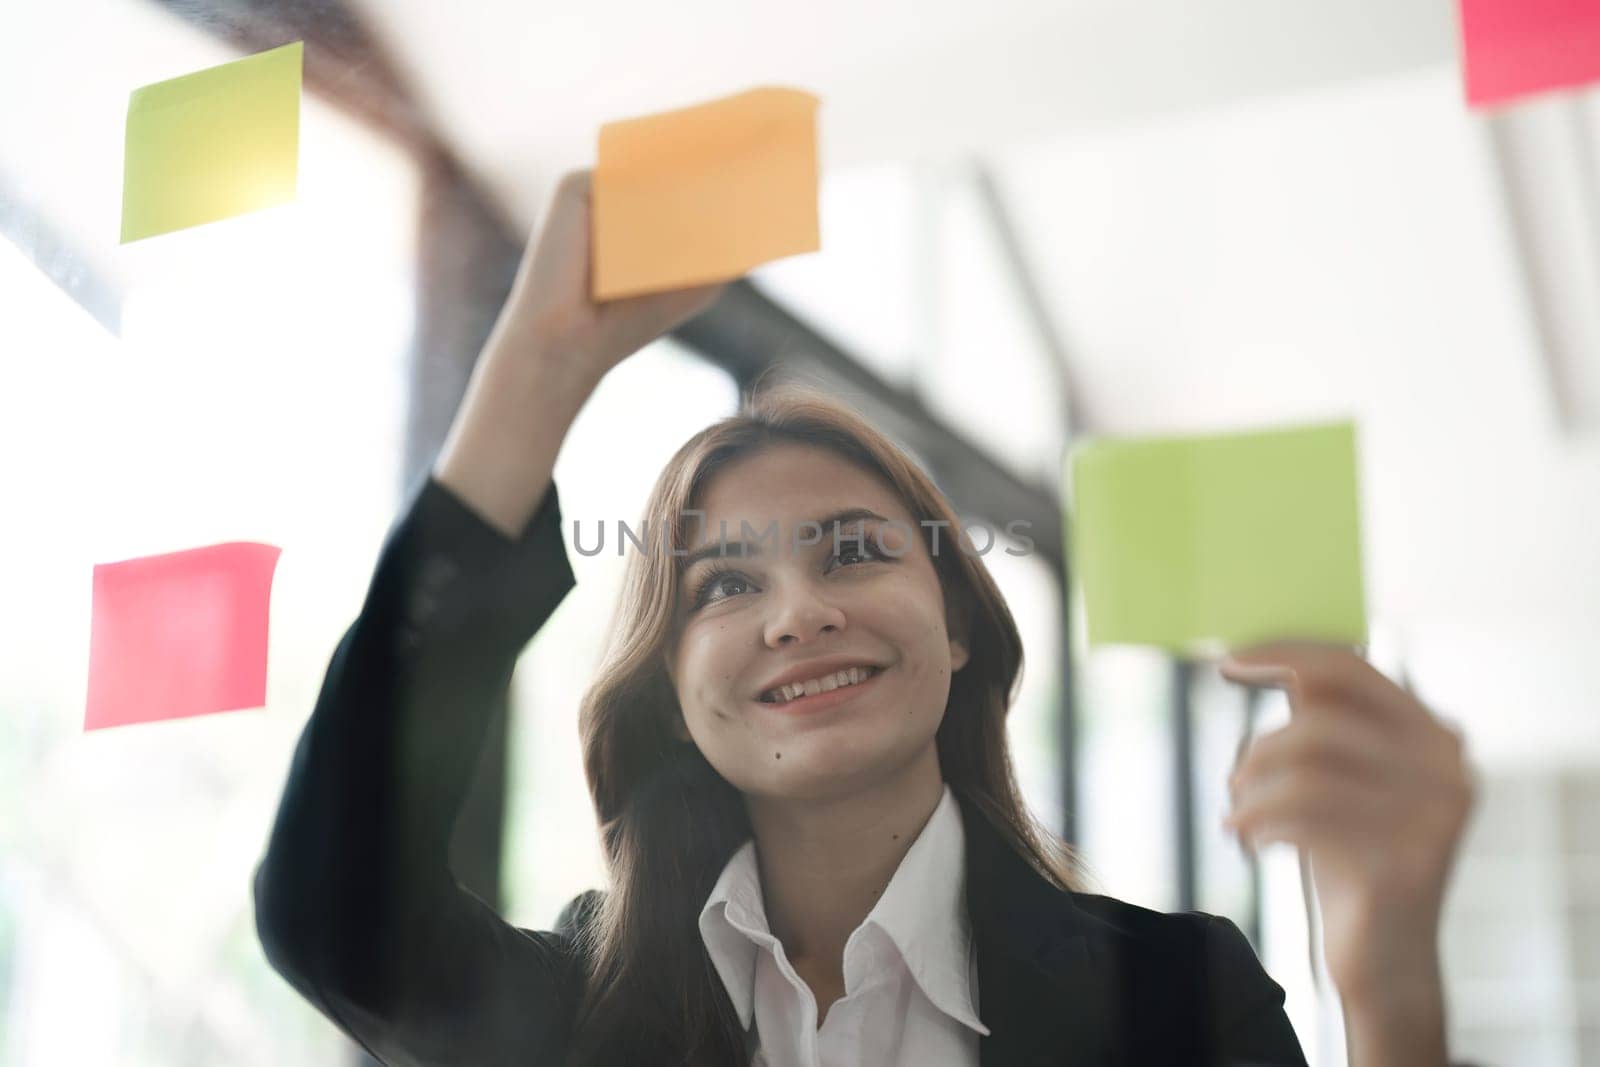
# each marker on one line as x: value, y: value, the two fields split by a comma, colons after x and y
x: 816, y: 847
x: 833, y: 783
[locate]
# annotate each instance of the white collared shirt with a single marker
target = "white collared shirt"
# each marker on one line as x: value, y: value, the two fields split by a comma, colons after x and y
x: 910, y: 974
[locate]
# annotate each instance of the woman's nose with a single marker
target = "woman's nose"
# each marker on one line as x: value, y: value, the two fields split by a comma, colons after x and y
x: 799, y: 613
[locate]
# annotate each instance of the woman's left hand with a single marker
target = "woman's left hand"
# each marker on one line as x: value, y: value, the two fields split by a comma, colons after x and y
x: 1377, y: 791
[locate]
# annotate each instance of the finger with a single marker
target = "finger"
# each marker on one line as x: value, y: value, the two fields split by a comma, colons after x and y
x: 1355, y: 745
x: 569, y: 200
x: 1311, y: 669
x: 1285, y: 664
x: 698, y: 298
x: 1303, y: 834
x: 1325, y: 799
x: 1405, y: 778
x: 1367, y: 747
x: 576, y: 183
x: 665, y: 308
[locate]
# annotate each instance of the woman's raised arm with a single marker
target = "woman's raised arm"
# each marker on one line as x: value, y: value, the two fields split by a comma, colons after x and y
x: 355, y: 902
x: 550, y: 347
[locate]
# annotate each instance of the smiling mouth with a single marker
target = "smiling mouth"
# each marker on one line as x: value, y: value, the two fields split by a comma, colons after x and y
x: 788, y: 694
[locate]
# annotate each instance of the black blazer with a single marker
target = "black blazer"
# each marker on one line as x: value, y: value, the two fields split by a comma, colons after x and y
x: 357, y: 909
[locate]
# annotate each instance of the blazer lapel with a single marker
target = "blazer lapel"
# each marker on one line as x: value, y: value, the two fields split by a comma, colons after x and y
x: 1042, y: 992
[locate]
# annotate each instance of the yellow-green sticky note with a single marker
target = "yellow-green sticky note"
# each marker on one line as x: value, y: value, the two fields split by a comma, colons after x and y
x: 1188, y: 543
x: 213, y: 144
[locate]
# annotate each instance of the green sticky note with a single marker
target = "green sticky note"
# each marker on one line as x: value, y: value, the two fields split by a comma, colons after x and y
x: 213, y: 144
x: 1190, y: 543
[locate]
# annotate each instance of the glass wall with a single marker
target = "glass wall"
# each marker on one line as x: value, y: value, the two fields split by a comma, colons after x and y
x: 242, y: 381
x: 1340, y: 251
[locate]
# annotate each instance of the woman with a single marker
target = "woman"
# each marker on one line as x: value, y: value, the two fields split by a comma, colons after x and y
x: 797, y: 753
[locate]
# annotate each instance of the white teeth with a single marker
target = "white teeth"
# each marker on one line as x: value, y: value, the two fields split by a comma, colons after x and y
x: 793, y: 690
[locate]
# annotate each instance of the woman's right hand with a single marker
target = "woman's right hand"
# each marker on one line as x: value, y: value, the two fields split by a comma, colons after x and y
x: 550, y: 303
x: 548, y: 351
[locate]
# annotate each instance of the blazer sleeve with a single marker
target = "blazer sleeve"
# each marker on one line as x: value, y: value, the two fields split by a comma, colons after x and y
x: 355, y: 903
x: 1248, y: 1025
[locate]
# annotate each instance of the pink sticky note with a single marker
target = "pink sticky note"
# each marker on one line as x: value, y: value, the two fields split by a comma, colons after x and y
x: 180, y: 634
x: 1516, y: 47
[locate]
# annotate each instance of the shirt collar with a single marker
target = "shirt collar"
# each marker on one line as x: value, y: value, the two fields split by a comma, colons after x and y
x: 922, y: 911
x: 733, y: 925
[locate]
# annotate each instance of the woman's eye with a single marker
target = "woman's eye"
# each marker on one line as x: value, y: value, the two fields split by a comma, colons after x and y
x: 714, y: 582
x: 861, y: 548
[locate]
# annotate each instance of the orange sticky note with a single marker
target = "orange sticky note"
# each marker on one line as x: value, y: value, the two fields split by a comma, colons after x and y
x: 702, y: 194
x: 1516, y: 47
x: 179, y: 634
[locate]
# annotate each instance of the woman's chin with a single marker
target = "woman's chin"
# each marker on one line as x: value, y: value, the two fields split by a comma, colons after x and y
x: 817, y: 768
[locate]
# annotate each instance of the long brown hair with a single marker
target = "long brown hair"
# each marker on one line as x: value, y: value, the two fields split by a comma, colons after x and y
x: 670, y: 822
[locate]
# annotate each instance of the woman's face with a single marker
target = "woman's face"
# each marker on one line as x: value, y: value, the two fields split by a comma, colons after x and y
x: 792, y: 601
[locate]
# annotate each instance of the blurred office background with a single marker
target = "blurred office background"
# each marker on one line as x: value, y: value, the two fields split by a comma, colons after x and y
x: 1041, y: 221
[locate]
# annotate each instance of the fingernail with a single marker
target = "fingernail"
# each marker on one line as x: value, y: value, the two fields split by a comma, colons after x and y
x: 1254, y: 673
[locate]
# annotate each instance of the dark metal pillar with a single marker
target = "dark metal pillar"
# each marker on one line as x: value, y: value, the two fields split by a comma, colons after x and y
x: 1252, y: 929
x: 1183, y: 784
x: 1067, y: 714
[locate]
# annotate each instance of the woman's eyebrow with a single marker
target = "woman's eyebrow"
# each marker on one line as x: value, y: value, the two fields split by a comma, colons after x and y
x: 753, y: 548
